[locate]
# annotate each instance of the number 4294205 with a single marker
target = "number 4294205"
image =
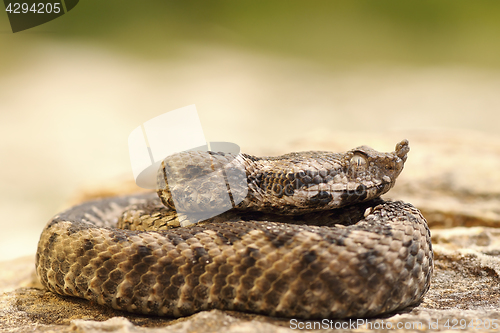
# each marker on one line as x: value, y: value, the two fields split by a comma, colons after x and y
x: 36, y: 8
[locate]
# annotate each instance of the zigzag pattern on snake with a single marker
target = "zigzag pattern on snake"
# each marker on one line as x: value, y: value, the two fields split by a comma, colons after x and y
x: 311, y: 239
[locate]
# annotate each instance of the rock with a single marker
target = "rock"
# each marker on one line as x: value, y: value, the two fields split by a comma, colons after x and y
x: 453, y: 178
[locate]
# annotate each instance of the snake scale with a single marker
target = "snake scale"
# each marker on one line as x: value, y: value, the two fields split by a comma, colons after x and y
x: 311, y: 239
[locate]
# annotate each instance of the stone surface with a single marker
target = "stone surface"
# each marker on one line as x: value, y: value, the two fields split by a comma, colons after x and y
x: 451, y: 176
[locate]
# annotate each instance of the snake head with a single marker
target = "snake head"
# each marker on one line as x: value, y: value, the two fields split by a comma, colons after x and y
x: 371, y: 173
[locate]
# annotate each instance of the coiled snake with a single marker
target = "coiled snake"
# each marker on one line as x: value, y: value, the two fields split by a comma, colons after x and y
x: 311, y: 239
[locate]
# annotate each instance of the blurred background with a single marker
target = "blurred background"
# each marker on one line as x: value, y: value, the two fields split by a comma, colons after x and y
x: 271, y: 76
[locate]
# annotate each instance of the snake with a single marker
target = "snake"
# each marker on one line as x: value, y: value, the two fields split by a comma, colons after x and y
x: 306, y: 235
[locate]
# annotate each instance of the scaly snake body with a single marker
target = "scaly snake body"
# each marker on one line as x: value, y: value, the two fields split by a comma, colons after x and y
x: 310, y: 239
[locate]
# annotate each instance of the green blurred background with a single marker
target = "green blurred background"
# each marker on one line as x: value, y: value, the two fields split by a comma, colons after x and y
x: 271, y: 76
x: 333, y: 33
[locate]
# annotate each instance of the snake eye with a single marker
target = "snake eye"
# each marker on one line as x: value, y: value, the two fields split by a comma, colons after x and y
x: 358, y: 160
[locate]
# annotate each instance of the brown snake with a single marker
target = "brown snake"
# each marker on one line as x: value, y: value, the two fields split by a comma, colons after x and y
x: 311, y: 239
